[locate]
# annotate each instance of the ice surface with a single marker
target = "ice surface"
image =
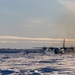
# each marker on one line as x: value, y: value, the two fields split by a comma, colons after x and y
x: 37, y: 64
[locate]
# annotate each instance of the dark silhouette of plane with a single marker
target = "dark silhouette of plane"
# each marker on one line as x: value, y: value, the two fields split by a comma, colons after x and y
x: 57, y: 50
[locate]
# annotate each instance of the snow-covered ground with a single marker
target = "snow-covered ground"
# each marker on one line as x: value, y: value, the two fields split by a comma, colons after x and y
x: 37, y: 64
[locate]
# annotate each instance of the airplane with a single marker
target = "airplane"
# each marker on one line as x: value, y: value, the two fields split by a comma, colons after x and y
x: 57, y: 50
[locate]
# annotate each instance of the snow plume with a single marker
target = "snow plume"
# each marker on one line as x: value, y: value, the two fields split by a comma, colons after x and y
x: 66, y: 19
x: 70, y: 4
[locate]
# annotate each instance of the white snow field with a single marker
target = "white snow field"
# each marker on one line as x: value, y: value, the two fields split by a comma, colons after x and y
x: 37, y: 64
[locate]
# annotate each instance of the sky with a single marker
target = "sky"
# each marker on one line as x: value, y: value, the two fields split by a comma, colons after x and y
x: 31, y: 23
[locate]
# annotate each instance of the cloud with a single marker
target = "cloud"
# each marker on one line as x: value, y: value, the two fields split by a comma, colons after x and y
x: 16, y: 39
x: 45, y: 42
x: 28, y: 38
x: 34, y: 22
x: 4, y: 42
x: 70, y: 4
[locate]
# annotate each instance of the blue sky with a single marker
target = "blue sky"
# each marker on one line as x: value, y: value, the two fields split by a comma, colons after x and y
x: 36, y: 19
